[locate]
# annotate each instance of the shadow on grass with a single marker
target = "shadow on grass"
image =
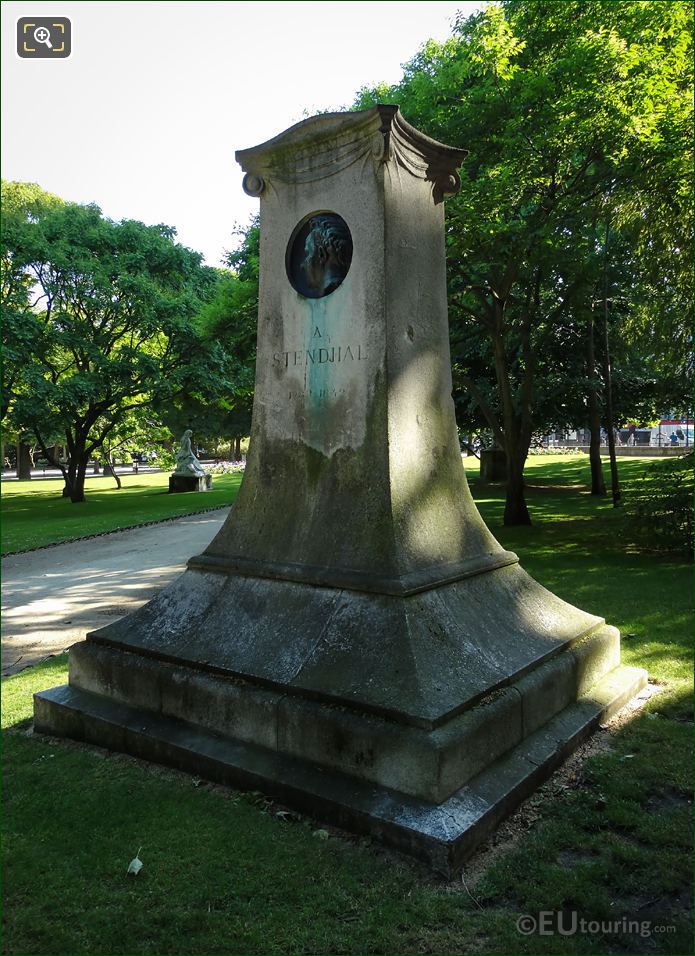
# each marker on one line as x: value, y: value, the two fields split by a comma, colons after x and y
x: 225, y: 873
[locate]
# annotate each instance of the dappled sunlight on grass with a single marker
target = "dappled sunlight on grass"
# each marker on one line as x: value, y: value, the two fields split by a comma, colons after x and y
x: 608, y: 837
x: 581, y: 548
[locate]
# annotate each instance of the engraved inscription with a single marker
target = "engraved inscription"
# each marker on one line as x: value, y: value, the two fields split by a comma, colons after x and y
x: 317, y: 392
x: 320, y: 356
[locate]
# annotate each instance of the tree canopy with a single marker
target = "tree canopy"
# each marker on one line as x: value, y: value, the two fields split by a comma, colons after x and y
x: 576, y: 115
x: 111, y: 308
x: 228, y: 319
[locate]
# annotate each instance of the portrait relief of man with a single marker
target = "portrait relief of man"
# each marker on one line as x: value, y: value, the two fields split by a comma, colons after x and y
x: 327, y: 255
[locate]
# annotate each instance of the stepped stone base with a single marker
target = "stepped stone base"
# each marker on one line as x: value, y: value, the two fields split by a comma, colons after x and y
x: 422, y: 719
x: 442, y: 835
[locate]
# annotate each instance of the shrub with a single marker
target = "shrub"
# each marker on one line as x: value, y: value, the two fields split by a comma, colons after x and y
x: 660, y: 506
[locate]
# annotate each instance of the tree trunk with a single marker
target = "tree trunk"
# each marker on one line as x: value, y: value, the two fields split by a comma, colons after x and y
x: 77, y: 490
x: 237, y: 448
x: 23, y: 461
x: 110, y: 471
x: 610, y: 427
x: 515, y: 509
x: 51, y: 456
x: 516, y: 424
x: 598, y: 484
x: 69, y: 477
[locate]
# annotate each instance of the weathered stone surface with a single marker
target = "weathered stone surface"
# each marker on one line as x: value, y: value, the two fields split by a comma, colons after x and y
x: 427, y: 763
x: 353, y: 640
x: 418, y: 659
x: 429, y: 759
x: 358, y: 382
x: 443, y: 835
x: 178, y: 483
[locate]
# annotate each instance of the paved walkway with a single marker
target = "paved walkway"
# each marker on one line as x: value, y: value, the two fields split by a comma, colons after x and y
x: 51, y: 598
x: 41, y: 474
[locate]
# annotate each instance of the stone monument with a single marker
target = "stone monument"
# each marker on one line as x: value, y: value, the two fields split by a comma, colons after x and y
x: 189, y: 474
x: 354, y: 641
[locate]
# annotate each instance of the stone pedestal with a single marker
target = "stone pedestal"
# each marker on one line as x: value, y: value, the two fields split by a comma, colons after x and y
x: 493, y: 464
x: 178, y: 483
x: 354, y: 640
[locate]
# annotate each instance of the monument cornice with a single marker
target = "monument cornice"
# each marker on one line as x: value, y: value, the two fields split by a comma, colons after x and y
x: 403, y: 585
x: 325, y: 145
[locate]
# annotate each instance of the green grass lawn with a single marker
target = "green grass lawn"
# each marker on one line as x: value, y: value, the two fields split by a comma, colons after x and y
x: 224, y: 873
x: 34, y: 514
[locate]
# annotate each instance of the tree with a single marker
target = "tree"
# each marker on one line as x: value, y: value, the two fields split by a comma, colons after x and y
x: 231, y: 318
x: 21, y: 325
x: 222, y: 409
x: 571, y: 111
x: 115, y: 306
x: 137, y: 431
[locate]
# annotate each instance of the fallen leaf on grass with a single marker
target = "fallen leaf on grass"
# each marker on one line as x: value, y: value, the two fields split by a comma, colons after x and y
x: 135, y: 864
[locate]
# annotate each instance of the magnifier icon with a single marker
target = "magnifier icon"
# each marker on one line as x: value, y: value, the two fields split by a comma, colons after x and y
x: 43, y: 35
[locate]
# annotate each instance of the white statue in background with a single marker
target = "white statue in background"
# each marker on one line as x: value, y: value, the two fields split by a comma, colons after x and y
x: 186, y: 462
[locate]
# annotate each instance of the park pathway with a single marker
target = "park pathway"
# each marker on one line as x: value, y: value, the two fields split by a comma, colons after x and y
x: 52, y: 597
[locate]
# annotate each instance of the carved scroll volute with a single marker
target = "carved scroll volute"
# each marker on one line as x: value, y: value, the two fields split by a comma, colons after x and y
x: 425, y: 158
x: 445, y: 185
x: 252, y: 184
